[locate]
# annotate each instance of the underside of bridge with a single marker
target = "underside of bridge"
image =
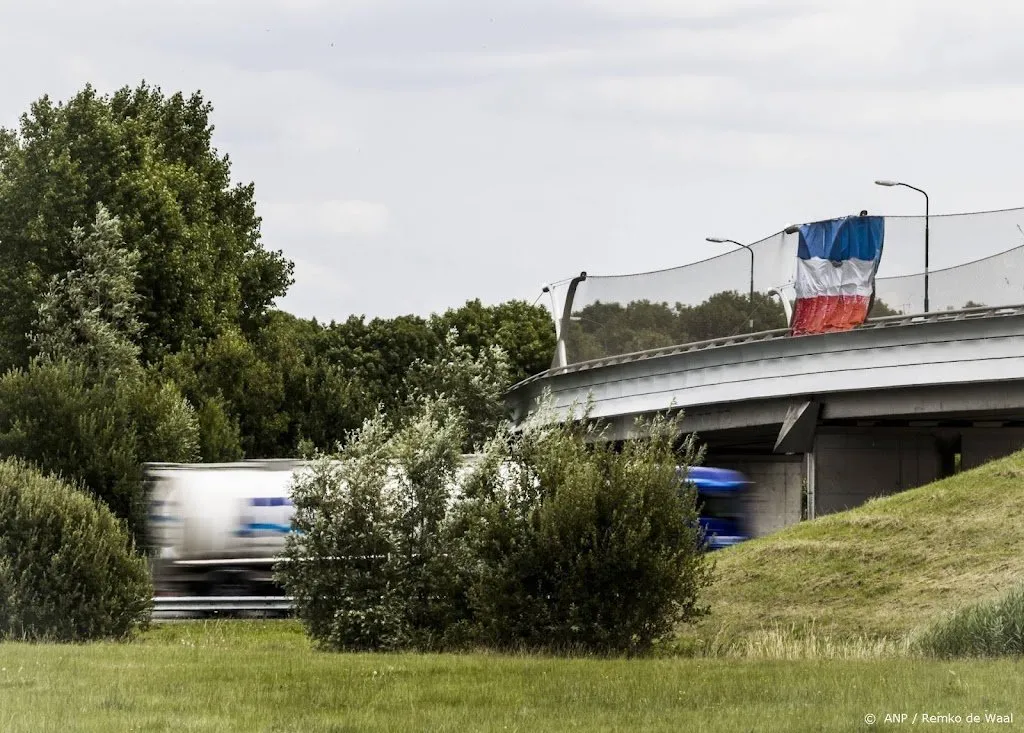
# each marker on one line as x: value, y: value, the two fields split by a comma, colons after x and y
x: 814, y: 456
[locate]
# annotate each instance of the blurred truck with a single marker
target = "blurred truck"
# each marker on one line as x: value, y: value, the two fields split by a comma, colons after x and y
x: 218, y: 528
x: 722, y: 505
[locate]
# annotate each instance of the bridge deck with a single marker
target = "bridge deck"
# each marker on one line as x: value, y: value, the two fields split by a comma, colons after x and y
x: 975, y: 347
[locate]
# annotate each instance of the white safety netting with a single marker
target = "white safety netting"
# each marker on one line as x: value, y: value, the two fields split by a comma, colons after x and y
x: 974, y: 259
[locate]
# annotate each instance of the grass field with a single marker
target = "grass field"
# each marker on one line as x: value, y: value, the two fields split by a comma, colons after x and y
x: 880, y: 571
x: 262, y: 676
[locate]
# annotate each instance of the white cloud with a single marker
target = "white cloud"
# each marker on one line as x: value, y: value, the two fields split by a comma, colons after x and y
x: 766, y: 150
x: 669, y: 93
x: 346, y: 218
x: 691, y: 9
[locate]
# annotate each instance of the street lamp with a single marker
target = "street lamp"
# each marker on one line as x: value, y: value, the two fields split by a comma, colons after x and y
x: 718, y: 240
x: 926, y: 206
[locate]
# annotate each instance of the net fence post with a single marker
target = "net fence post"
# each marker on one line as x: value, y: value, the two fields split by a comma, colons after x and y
x: 560, y: 359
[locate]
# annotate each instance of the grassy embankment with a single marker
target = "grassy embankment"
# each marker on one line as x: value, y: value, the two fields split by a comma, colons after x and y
x: 262, y: 676
x: 867, y: 580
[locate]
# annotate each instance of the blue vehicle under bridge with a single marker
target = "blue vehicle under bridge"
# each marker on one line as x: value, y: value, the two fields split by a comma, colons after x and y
x: 721, y: 503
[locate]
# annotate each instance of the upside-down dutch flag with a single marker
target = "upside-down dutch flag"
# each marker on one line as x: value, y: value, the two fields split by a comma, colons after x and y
x: 835, y: 277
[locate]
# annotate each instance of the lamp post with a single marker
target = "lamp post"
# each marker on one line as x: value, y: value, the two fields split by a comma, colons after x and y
x: 718, y: 240
x: 926, y: 215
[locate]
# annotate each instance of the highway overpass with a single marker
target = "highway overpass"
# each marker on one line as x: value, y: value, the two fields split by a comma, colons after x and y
x: 821, y: 422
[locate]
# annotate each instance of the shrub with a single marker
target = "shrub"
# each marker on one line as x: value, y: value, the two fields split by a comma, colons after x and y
x: 989, y: 629
x: 95, y: 431
x: 369, y: 567
x: 580, y: 546
x: 68, y: 570
x: 553, y: 541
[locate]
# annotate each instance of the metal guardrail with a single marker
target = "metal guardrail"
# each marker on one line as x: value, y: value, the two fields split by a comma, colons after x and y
x: 220, y: 604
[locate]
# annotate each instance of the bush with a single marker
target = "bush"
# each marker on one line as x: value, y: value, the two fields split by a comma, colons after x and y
x: 580, y: 546
x: 68, y: 570
x: 369, y: 567
x: 989, y: 629
x: 550, y: 542
x: 96, y: 432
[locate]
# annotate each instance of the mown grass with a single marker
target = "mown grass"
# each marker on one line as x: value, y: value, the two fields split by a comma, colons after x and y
x: 874, y: 574
x: 263, y: 676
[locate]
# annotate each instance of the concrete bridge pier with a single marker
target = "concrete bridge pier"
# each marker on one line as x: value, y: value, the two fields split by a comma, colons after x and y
x: 850, y: 465
x: 775, y: 500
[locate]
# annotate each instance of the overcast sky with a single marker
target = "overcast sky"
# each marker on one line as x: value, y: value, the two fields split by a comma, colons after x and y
x: 410, y: 155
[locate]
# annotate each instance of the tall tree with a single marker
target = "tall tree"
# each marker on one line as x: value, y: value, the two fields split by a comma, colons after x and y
x: 526, y: 333
x: 149, y: 158
x: 90, y: 313
x: 473, y: 385
x: 84, y: 407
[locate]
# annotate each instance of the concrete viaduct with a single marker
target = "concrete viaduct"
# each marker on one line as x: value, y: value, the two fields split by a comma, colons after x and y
x: 821, y: 422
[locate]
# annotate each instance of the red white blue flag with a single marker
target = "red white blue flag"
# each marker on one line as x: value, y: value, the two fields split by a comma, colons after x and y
x: 835, y: 276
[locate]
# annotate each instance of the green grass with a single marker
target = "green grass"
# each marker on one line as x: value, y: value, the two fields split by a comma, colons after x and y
x: 263, y: 676
x: 992, y: 628
x: 881, y: 571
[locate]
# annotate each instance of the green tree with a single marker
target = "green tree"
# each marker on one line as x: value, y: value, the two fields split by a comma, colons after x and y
x: 602, y: 329
x: 220, y: 438
x: 526, y: 333
x: 97, y: 433
x: 229, y: 372
x: 89, y: 315
x: 149, y: 158
x: 260, y: 395
x: 84, y: 407
x: 728, y: 314
x: 473, y: 384
x: 379, y: 354
x: 880, y: 309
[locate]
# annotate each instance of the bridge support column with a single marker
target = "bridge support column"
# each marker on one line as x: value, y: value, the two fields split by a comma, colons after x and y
x: 980, y: 445
x: 810, y: 486
x: 852, y: 465
x: 774, y: 501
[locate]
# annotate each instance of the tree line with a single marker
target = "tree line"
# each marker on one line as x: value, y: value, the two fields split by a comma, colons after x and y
x: 139, y: 325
